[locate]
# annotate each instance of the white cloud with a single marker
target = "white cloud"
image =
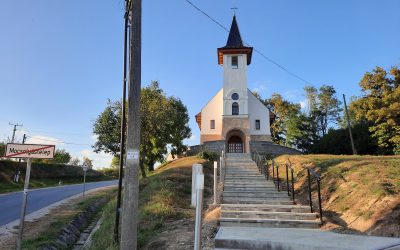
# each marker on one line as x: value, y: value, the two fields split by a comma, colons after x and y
x: 293, y: 94
x: 100, y: 160
x: 40, y: 139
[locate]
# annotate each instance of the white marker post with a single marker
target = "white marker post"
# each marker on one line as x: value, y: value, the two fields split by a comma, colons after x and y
x: 28, y: 151
x: 196, y: 170
x: 199, y: 208
x: 85, y: 168
x: 215, y: 182
x: 220, y: 168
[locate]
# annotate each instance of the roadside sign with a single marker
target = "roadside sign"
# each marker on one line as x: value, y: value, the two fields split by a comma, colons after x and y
x: 28, y: 151
x: 32, y: 151
x: 85, y: 167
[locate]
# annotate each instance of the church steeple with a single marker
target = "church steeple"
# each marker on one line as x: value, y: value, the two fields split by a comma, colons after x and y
x: 234, y: 38
x: 234, y: 44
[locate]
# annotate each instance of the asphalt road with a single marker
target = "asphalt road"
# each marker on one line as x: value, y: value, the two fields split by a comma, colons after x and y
x: 10, y: 204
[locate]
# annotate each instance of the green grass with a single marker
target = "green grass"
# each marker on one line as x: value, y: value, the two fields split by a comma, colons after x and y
x: 355, y: 183
x: 164, y: 197
x: 50, y: 234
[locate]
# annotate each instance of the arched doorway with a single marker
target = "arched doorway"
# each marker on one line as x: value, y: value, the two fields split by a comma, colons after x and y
x: 235, y: 141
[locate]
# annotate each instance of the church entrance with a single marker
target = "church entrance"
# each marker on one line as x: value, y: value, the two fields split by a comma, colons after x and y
x: 235, y: 144
x: 235, y: 141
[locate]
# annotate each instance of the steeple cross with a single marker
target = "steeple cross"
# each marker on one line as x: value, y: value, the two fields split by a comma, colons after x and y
x: 234, y: 10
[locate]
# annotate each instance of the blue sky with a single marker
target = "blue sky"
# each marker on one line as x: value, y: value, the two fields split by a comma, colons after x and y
x: 61, y: 60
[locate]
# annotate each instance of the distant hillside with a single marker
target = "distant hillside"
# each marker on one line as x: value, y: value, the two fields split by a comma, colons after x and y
x: 360, y: 193
x: 43, y: 175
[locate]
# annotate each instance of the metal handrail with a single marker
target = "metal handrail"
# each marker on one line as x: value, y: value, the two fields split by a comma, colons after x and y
x: 290, y: 190
x: 310, y: 172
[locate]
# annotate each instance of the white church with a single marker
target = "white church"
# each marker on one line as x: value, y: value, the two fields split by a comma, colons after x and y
x: 234, y: 119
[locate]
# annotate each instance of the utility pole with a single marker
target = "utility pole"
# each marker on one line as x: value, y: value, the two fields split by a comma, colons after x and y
x: 17, y: 173
x: 130, y: 210
x: 348, y: 125
x: 123, y: 121
x: 15, y: 129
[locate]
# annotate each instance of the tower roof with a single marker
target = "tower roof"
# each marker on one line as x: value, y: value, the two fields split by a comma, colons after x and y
x: 234, y: 44
x: 234, y: 38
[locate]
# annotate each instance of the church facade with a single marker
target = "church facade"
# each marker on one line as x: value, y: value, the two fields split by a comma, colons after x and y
x: 234, y: 120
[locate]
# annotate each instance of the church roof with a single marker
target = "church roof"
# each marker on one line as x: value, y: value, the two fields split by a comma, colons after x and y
x: 234, y: 38
x: 234, y: 44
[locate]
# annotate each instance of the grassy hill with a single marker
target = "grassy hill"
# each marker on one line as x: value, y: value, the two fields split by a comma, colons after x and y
x: 44, y: 175
x: 164, y: 198
x: 359, y: 193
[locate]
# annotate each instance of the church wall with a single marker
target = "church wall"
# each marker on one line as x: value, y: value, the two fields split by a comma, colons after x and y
x: 258, y: 111
x: 212, y: 111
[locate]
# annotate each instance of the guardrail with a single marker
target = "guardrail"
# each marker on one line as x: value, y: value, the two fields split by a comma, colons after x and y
x: 264, y: 166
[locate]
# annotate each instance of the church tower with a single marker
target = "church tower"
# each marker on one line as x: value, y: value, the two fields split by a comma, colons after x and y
x: 234, y: 58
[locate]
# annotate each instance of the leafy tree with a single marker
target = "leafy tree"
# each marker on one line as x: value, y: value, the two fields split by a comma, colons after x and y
x: 61, y: 156
x: 380, y: 104
x: 88, y: 162
x: 115, y: 162
x: 2, y: 149
x: 284, y: 110
x: 302, y: 132
x: 337, y: 141
x: 74, y: 161
x: 324, y: 106
x: 164, y: 121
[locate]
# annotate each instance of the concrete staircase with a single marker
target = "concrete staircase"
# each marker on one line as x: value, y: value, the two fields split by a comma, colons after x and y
x: 250, y: 200
x: 254, y: 215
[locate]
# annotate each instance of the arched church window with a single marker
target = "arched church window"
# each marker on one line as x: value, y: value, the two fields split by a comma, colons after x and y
x: 235, y: 108
x: 235, y: 96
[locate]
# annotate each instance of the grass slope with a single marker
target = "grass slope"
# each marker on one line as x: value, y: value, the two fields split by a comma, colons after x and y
x: 359, y: 193
x: 164, y: 197
x: 44, y: 175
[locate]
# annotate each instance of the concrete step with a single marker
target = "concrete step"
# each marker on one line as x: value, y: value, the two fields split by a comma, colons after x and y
x: 254, y: 222
x: 244, y: 185
x: 269, y: 201
x: 297, y: 238
x: 266, y: 208
x: 268, y: 215
x: 257, y: 195
x: 250, y: 190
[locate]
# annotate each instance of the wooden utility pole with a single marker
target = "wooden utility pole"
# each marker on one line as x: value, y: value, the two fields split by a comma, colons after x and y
x: 131, y: 189
x: 14, y: 130
x: 348, y: 124
x: 123, y: 121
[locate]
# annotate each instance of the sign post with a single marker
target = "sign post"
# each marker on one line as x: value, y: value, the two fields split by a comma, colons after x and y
x: 85, y: 168
x: 29, y: 152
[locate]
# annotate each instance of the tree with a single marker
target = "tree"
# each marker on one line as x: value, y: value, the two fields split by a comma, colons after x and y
x: 324, y: 106
x: 283, y: 110
x: 74, y: 161
x: 2, y: 149
x: 302, y: 132
x: 88, y: 162
x: 61, y: 156
x: 380, y: 104
x: 164, y: 121
x: 115, y: 162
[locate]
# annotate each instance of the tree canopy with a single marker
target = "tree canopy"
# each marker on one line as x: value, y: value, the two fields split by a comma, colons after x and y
x: 164, y: 122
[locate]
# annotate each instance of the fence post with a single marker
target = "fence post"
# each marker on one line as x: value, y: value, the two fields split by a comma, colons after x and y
x: 287, y: 179
x: 196, y: 170
x: 220, y: 167
x: 267, y: 170
x: 309, y: 189
x: 319, y: 200
x: 277, y: 177
x: 292, y: 187
x: 199, y: 208
x: 215, y: 182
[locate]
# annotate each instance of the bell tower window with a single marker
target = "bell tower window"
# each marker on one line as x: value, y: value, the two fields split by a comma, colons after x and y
x: 235, y: 62
x: 235, y: 108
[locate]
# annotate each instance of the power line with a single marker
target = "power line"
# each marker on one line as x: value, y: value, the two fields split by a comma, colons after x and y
x: 256, y: 50
x: 57, y: 141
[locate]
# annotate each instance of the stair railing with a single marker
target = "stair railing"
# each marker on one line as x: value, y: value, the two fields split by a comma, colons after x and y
x: 290, y: 187
x: 317, y: 177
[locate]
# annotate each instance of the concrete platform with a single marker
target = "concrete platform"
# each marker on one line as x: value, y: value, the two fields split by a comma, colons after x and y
x: 298, y: 239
